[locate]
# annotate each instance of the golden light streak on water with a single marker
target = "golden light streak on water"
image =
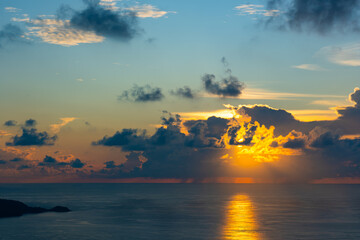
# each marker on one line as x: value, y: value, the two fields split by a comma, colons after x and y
x: 240, y: 223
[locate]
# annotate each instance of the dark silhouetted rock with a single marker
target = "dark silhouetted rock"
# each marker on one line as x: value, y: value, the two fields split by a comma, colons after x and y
x: 11, y: 208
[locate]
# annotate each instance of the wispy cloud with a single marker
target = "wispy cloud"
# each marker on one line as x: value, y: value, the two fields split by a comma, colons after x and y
x: 309, y: 67
x: 60, y: 32
x: 255, y: 9
x: 347, y: 55
x: 148, y: 11
x: 222, y: 113
x: 64, y: 121
x: 12, y: 9
x: 4, y: 133
x: 261, y: 94
x: 329, y: 102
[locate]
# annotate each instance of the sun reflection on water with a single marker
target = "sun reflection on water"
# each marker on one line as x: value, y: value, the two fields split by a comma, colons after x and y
x: 240, y: 222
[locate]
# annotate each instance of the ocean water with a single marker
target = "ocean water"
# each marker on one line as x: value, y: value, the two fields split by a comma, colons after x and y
x: 185, y: 211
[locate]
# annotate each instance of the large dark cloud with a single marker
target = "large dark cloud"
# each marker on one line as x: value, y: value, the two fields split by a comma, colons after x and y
x: 142, y: 94
x: 119, y: 25
x: 31, y: 137
x: 321, y: 16
x: 168, y: 152
x: 184, y: 92
x: 201, y: 148
x: 10, y: 34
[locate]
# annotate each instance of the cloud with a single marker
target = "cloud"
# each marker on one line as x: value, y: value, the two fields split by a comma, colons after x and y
x: 268, y: 138
x: 346, y: 55
x: 142, y: 94
x: 309, y: 67
x: 228, y: 86
x: 318, y: 16
x: 30, y: 123
x: 12, y: 9
x: 355, y: 97
x: 11, y: 33
x: 10, y: 123
x: 60, y: 32
x: 184, y: 92
x: 256, y: 9
x: 31, y: 137
x: 52, y: 162
x: 77, y: 163
x: 4, y: 133
x: 64, y: 121
x: 148, y: 11
x: 23, y: 167
x: 105, y: 22
x: 90, y: 25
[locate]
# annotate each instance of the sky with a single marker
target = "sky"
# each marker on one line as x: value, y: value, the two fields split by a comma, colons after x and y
x: 180, y: 91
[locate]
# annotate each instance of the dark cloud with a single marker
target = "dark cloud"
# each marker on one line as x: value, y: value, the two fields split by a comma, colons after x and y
x: 133, y: 160
x: 11, y: 33
x: 77, y: 163
x: 3, y: 162
x: 10, y: 123
x: 23, y: 167
x: 49, y: 161
x: 110, y: 164
x: 30, y: 123
x: 119, y: 25
x: 168, y: 152
x: 16, y: 159
x: 184, y: 92
x: 128, y: 139
x: 142, y: 94
x: 227, y: 87
x: 31, y: 137
x: 320, y: 16
x: 295, y: 143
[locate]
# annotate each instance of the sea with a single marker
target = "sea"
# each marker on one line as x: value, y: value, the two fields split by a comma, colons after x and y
x: 185, y: 211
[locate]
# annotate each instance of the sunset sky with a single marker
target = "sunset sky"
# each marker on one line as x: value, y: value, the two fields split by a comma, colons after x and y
x: 179, y: 91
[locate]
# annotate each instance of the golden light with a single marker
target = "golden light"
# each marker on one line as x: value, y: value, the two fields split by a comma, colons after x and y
x: 240, y: 223
x: 261, y: 148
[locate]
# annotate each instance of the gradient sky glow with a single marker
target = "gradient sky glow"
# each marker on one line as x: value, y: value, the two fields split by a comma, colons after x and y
x: 71, y: 76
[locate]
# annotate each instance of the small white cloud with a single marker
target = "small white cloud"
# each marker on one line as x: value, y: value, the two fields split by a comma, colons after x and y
x: 12, y: 9
x: 309, y: 67
x: 255, y: 9
x: 79, y: 79
x: 26, y: 19
x: 347, y: 55
x: 148, y: 11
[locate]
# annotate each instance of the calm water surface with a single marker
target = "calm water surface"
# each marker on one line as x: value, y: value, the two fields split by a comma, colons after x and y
x: 185, y: 211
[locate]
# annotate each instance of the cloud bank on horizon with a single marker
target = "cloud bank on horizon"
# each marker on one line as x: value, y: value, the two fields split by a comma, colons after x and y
x: 259, y: 142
